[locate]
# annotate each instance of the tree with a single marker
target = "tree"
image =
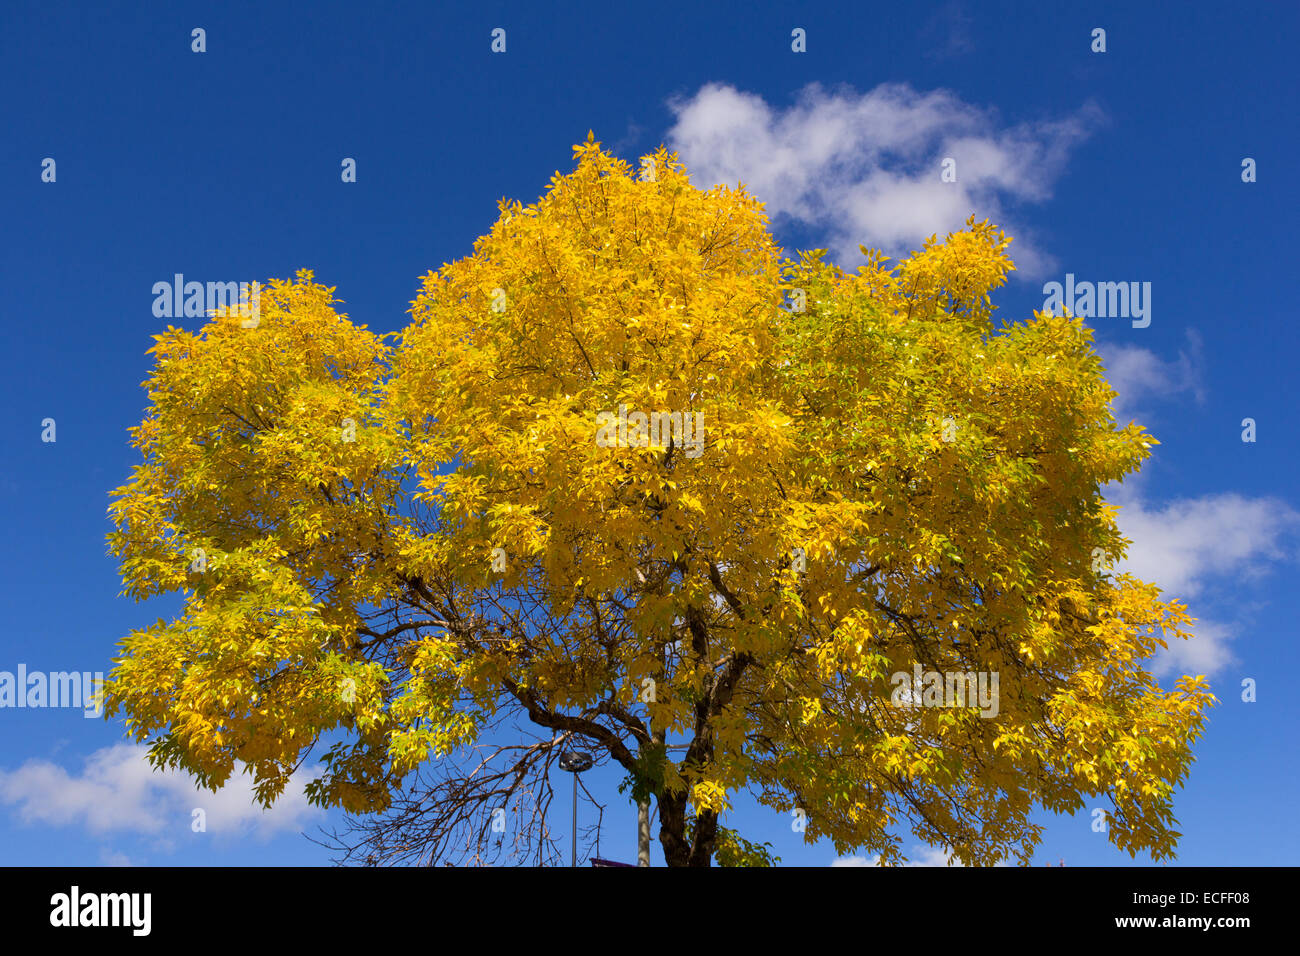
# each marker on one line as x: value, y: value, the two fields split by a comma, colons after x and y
x: 881, y: 482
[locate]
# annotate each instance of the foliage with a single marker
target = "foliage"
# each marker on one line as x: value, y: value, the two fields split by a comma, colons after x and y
x: 887, y: 478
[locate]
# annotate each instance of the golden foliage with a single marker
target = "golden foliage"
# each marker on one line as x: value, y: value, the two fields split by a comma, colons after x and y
x: 886, y: 479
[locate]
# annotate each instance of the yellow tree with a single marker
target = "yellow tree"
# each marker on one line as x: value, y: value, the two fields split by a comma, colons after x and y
x: 735, y: 523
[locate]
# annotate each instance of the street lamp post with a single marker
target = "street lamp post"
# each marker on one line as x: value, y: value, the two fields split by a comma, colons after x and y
x: 643, y: 832
x: 575, y: 763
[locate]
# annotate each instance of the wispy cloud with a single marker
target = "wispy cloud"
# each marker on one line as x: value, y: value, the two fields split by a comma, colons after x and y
x: 117, y: 791
x: 921, y: 856
x: 865, y: 168
x: 948, y: 32
x: 1139, y: 374
x: 1203, y: 548
x: 1190, y: 545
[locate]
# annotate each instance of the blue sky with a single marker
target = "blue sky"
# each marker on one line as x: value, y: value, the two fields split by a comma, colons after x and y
x: 225, y: 165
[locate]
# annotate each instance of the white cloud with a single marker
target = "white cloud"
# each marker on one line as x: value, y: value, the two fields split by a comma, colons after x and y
x: 1206, y: 652
x: 1195, y: 548
x: 118, y: 791
x: 930, y: 856
x: 921, y: 856
x: 1192, y: 544
x: 1136, y: 374
x: 865, y: 167
x: 113, y: 858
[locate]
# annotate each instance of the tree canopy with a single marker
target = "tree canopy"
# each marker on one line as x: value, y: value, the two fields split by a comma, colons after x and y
x: 411, y: 543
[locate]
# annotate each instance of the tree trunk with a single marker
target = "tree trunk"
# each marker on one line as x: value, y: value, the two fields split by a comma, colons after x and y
x: 678, y: 851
